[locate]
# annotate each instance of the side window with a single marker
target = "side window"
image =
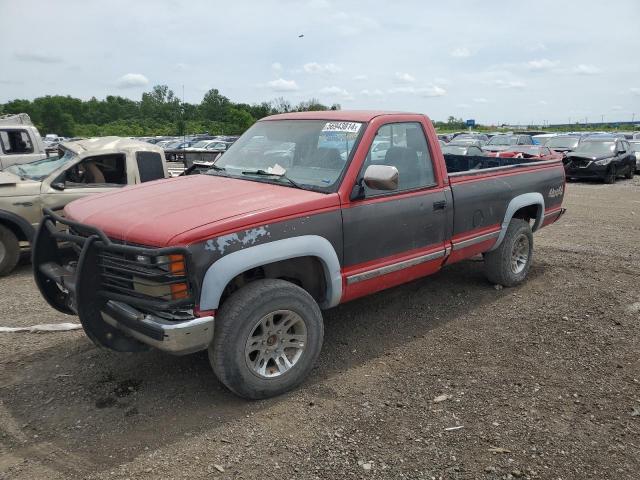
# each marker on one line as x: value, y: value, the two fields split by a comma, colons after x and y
x: 149, y: 166
x: 15, y: 142
x: 100, y: 170
x: 404, y: 146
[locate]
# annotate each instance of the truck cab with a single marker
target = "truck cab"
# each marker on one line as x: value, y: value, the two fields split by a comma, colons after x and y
x: 20, y: 141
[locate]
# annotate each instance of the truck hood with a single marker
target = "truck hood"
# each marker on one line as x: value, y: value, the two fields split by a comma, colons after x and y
x: 587, y: 157
x: 190, y: 209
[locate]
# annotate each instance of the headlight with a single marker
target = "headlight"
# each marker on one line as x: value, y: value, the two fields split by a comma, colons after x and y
x: 604, y: 161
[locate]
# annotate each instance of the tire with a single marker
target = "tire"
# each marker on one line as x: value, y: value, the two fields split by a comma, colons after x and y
x: 611, y: 176
x: 9, y: 250
x: 501, y: 266
x: 243, y: 365
x: 630, y: 172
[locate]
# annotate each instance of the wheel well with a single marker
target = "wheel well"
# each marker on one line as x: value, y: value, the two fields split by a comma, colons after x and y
x: 306, y: 272
x: 17, y: 231
x: 528, y: 213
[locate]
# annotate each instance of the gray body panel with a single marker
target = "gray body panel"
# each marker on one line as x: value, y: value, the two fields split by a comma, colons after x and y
x: 484, y: 202
x: 374, y: 230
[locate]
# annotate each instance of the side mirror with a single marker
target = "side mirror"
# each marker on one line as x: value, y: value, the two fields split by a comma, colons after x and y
x: 381, y: 177
x: 57, y: 185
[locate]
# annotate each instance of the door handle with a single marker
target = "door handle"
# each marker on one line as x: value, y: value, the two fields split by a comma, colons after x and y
x: 440, y: 205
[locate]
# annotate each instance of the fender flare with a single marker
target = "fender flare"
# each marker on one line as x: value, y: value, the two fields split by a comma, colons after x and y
x: 22, y: 224
x: 516, y: 203
x: 221, y: 272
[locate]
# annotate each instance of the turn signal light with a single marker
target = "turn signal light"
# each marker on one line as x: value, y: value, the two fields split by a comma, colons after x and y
x: 177, y: 267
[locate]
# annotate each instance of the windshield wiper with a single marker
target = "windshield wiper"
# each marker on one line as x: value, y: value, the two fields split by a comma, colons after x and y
x: 279, y: 175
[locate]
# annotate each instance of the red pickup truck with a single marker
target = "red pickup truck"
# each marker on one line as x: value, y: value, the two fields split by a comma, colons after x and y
x: 297, y: 216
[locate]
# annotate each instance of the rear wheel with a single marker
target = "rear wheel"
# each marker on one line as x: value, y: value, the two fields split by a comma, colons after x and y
x: 509, y: 264
x: 611, y: 175
x: 9, y: 250
x: 267, y: 338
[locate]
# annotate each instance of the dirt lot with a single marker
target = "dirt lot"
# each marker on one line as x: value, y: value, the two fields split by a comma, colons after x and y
x: 543, y: 380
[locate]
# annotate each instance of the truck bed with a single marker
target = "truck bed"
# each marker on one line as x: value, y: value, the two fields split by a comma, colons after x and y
x: 465, y: 163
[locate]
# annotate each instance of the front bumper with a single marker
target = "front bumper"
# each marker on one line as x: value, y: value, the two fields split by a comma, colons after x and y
x: 178, y: 338
x: 587, y: 170
x: 123, y: 304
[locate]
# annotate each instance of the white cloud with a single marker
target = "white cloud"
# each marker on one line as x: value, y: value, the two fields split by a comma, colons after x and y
x: 635, y: 90
x: 132, y: 80
x: 282, y: 85
x: 481, y: 100
x: 509, y: 83
x: 405, y: 77
x: 430, y: 91
x: 537, y: 47
x: 460, y: 52
x: 360, y: 78
x: 349, y: 25
x: 313, y: 67
x: 542, y: 64
x: 36, y: 57
x: 463, y: 105
x: 335, y: 92
x: 372, y: 93
x: 583, y: 69
x: 543, y: 102
x: 319, y: 4
x: 276, y: 66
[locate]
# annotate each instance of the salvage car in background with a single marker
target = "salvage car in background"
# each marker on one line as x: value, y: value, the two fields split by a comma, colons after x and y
x: 601, y: 157
x: 635, y: 146
x: 85, y: 167
x: 462, y: 148
x: 503, y: 142
x: 564, y: 143
x: 539, y: 152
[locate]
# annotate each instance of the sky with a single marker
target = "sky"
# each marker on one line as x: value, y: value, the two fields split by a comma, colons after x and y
x: 493, y: 61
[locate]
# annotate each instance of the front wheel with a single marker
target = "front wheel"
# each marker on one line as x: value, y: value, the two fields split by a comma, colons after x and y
x: 611, y: 175
x: 509, y: 264
x: 267, y: 338
x: 630, y: 172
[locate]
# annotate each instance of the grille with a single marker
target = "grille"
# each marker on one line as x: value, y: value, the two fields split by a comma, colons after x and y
x: 133, y: 276
x: 159, y: 278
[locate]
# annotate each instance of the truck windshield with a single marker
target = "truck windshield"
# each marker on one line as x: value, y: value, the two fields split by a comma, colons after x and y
x: 40, y: 169
x: 310, y: 154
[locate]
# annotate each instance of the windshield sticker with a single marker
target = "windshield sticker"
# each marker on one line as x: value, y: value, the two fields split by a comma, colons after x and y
x: 349, y: 127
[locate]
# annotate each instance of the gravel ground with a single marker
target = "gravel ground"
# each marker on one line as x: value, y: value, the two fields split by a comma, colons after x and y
x: 446, y: 377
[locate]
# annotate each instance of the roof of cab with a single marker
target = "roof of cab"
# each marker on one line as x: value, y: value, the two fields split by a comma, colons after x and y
x: 336, y: 115
x: 109, y: 145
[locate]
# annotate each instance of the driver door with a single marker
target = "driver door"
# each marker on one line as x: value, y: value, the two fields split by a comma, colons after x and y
x: 96, y: 174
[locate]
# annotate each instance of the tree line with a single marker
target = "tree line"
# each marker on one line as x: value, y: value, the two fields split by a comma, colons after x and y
x: 158, y: 112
